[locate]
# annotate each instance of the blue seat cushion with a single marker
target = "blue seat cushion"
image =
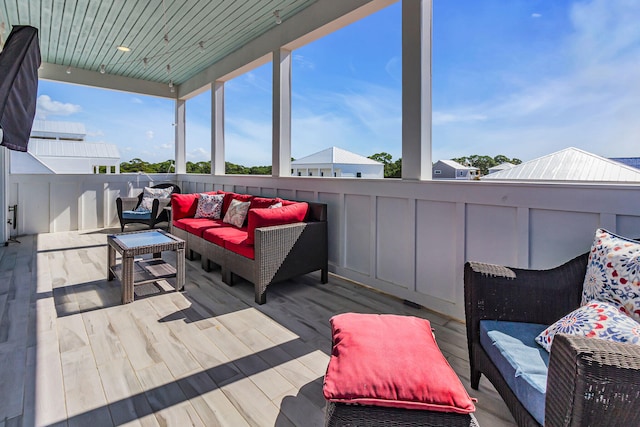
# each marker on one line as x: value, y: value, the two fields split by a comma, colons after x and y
x: 521, y: 361
x: 136, y: 215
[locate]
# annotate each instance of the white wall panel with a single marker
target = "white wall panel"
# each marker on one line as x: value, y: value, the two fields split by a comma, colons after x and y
x: 305, y: 195
x: 395, y: 235
x: 491, y: 234
x: 91, y: 208
x: 357, y: 236
x: 628, y: 226
x: 33, y: 208
x: 65, y: 207
x: 286, y: 194
x: 556, y: 236
x: 436, y: 246
x: 334, y: 224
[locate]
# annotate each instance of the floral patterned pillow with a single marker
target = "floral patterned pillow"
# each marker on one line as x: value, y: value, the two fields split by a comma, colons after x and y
x: 595, y: 320
x: 146, y: 205
x: 209, y: 206
x: 613, y: 273
x: 236, y: 213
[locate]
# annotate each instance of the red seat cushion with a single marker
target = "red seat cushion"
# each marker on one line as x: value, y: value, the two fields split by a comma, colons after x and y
x: 197, y: 226
x: 392, y: 361
x: 289, y: 214
x: 219, y: 235
x: 183, y: 206
x: 238, y: 244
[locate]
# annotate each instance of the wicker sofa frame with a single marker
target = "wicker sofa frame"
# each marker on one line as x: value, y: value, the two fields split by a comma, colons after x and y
x: 158, y: 214
x: 589, y: 382
x: 281, y: 252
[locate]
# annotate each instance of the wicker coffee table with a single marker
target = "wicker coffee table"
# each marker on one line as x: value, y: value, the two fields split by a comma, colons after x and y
x: 133, y: 272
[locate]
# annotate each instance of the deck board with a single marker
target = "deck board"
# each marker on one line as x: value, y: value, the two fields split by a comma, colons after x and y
x: 71, y: 354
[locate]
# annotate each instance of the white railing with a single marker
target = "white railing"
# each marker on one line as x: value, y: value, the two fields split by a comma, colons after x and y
x: 409, y: 239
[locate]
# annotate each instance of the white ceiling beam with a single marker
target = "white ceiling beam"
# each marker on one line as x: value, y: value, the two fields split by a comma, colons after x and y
x: 106, y: 81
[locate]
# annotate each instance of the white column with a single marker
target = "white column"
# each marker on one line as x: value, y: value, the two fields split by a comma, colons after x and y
x: 217, y: 129
x: 416, y: 89
x: 281, y: 142
x: 181, y: 132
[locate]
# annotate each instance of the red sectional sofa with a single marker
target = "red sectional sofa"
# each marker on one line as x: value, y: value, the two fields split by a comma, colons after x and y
x: 271, y: 246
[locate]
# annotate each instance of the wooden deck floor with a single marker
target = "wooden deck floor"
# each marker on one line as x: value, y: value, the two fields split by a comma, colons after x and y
x: 70, y: 354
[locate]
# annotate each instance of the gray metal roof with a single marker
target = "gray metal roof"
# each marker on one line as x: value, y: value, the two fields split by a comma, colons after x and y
x: 570, y: 164
x: 334, y: 155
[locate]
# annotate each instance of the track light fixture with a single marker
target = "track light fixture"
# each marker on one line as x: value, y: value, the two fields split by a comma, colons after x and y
x: 277, y: 15
x: 69, y: 70
x: 201, y: 46
x: 102, y: 69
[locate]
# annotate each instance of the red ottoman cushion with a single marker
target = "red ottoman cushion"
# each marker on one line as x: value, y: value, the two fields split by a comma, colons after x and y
x: 392, y: 361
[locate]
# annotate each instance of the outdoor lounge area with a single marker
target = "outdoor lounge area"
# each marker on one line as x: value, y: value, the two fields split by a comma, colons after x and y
x: 73, y: 355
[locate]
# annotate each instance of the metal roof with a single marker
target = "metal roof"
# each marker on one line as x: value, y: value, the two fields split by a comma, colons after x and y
x: 58, y: 129
x: 85, y: 34
x: 55, y: 148
x: 456, y: 165
x: 334, y: 155
x: 570, y: 164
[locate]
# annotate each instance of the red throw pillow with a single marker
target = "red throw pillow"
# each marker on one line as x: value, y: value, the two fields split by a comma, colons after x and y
x: 183, y: 206
x: 258, y: 218
x: 392, y: 361
x: 230, y: 196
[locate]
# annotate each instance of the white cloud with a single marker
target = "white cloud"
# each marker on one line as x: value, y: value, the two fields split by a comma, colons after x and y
x: 137, y: 100
x: 439, y: 118
x: 536, y: 15
x: 46, y: 107
x: 168, y: 146
x: 149, y: 134
x: 303, y: 62
x: 198, y: 155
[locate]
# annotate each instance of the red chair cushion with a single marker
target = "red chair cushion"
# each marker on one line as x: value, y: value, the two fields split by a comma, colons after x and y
x: 219, y: 235
x: 238, y: 244
x: 262, y: 202
x: 289, y: 214
x: 392, y: 361
x: 197, y: 226
x: 183, y: 206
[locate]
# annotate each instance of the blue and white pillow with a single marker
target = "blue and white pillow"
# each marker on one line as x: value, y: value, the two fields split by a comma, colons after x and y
x: 596, y: 319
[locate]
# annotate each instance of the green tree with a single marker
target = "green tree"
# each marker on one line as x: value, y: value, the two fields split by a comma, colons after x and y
x: 484, y: 163
x: 391, y: 169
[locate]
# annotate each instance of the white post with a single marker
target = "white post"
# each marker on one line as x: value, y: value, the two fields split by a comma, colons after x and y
x: 416, y: 90
x: 181, y: 132
x: 217, y: 129
x: 281, y: 142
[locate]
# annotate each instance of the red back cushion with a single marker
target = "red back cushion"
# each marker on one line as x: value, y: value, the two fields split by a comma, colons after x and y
x: 262, y: 202
x: 392, y: 361
x: 230, y: 196
x: 267, y: 217
x: 183, y: 206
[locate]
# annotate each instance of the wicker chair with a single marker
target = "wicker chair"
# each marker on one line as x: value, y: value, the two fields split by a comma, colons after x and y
x: 590, y: 382
x: 127, y: 205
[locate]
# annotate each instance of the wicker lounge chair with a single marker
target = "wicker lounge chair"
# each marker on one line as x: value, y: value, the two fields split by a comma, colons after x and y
x: 126, y: 209
x: 590, y: 382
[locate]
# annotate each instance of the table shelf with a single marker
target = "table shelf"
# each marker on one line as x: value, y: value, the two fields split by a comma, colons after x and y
x: 147, y: 270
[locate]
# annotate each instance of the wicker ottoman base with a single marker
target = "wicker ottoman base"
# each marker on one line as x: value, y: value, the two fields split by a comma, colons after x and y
x: 339, y: 414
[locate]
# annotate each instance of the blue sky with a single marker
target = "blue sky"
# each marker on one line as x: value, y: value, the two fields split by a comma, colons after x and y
x: 522, y: 78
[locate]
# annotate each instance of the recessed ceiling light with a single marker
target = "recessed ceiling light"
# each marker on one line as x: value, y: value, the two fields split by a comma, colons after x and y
x: 123, y: 49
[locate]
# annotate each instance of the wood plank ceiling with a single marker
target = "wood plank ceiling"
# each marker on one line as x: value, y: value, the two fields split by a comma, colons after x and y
x: 85, y: 34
